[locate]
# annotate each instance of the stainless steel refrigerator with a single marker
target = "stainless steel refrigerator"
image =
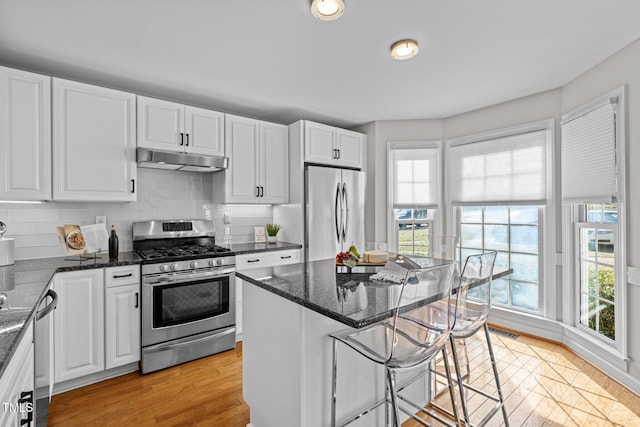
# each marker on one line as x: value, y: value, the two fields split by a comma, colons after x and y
x: 334, y: 211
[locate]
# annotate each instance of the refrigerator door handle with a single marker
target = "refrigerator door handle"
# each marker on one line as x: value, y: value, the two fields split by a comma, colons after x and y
x: 335, y: 213
x: 345, y: 213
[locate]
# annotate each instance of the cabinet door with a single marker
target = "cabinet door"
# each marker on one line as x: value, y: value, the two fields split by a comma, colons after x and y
x: 204, y: 130
x: 122, y: 328
x: 78, y: 324
x: 319, y: 141
x: 274, y: 163
x: 350, y: 146
x: 17, y: 384
x: 241, y: 145
x: 25, y: 139
x: 94, y: 143
x: 160, y: 124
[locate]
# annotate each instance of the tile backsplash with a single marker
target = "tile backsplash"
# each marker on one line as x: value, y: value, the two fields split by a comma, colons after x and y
x: 162, y: 194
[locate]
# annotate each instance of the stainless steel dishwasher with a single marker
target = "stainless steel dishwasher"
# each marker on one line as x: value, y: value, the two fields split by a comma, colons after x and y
x: 43, y: 336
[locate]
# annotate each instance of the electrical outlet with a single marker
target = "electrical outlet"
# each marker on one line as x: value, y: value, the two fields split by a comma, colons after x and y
x: 101, y: 219
x: 226, y: 217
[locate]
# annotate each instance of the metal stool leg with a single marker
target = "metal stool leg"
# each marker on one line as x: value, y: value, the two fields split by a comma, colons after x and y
x: 394, y: 399
x: 447, y: 369
x: 495, y: 374
x: 461, y: 389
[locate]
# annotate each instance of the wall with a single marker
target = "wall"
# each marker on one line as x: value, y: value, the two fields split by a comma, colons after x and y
x: 623, y: 68
x: 161, y: 195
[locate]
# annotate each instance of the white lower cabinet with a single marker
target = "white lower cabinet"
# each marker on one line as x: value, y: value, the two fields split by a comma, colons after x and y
x: 259, y: 260
x: 17, y: 384
x: 78, y: 324
x: 97, y: 322
x: 122, y: 317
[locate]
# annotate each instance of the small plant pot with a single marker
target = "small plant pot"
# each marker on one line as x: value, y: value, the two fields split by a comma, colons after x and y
x: 271, y: 239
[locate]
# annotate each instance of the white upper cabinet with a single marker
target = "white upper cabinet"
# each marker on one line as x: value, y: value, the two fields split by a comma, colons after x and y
x: 94, y: 143
x: 350, y: 146
x: 258, y: 169
x: 274, y: 163
x: 170, y: 126
x: 25, y: 139
x: 333, y: 146
x: 319, y: 143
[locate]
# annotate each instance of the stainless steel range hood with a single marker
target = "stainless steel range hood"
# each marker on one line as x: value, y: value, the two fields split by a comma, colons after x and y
x: 158, y: 159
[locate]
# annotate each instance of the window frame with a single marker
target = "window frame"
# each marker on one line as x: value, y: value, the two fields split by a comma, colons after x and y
x: 574, y: 213
x: 547, y: 234
x: 434, y: 216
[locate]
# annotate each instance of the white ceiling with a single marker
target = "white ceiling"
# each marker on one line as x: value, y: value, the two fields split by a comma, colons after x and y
x: 272, y: 60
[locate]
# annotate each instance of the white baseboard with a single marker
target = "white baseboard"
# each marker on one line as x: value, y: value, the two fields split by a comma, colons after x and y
x: 607, y: 360
x: 95, y: 378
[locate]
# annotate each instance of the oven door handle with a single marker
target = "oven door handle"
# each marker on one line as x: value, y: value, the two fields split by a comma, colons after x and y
x: 188, y: 341
x: 187, y: 277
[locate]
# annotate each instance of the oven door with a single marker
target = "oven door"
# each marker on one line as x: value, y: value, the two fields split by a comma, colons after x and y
x: 176, y: 305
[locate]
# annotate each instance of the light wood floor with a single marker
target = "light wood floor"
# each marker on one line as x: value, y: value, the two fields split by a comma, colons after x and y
x: 544, y: 384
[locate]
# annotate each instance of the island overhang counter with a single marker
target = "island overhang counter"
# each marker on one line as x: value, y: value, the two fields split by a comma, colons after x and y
x: 288, y: 313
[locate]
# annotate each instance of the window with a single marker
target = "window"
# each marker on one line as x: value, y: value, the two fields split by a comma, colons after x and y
x: 593, y: 191
x: 513, y: 231
x: 500, y: 187
x: 597, y: 272
x: 412, y: 228
x: 413, y: 193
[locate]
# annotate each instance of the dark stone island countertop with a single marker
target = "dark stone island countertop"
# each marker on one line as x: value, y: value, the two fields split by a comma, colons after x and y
x: 25, y: 282
x: 349, y: 298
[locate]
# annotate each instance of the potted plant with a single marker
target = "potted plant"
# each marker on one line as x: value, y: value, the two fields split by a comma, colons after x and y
x: 272, y: 232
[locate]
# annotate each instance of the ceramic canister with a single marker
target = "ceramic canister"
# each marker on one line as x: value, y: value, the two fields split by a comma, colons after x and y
x: 6, y: 252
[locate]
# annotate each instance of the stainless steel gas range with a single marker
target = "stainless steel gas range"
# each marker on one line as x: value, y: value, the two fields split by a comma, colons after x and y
x: 188, y: 292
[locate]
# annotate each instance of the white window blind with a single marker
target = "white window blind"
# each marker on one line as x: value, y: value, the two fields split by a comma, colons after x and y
x: 505, y: 170
x: 588, y: 151
x: 415, y: 177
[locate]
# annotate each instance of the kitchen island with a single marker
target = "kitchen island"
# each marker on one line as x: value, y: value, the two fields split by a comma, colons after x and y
x: 288, y: 315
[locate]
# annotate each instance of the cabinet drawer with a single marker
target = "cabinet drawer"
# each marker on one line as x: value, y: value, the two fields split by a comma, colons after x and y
x: 267, y: 259
x: 118, y: 276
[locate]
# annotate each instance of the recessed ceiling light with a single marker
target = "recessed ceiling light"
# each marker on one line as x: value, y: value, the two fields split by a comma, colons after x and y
x: 404, y: 49
x: 327, y: 10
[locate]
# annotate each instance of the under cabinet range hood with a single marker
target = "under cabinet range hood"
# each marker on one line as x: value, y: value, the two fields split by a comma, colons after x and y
x: 158, y: 159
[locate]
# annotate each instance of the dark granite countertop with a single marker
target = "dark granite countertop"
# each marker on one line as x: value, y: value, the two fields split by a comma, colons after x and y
x: 25, y: 282
x: 351, y: 299
x: 250, y: 248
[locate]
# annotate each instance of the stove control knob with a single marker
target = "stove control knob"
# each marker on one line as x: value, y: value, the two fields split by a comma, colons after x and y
x: 211, y: 263
x: 164, y: 267
x: 219, y: 261
x: 194, y: 264
x: 175, y: 266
